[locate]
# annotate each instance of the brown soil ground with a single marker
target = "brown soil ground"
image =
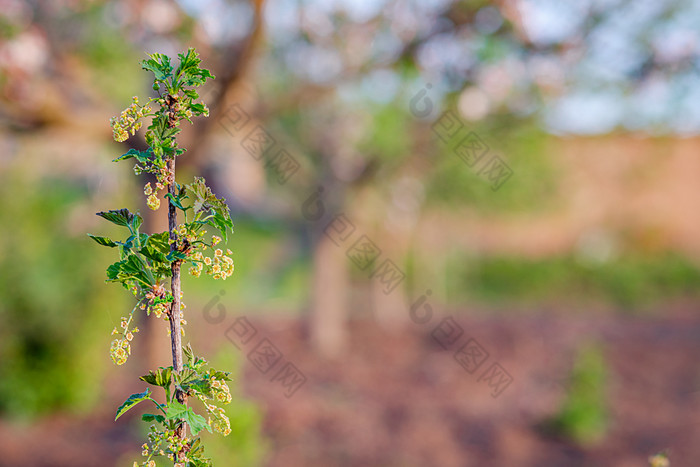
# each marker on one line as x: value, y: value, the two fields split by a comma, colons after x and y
x: 403, y: 400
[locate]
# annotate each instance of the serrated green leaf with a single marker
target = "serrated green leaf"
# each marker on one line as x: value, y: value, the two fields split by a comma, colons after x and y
x: 191, y: 93
x: 113, y: 270
x: 205, y: 201
x: 177, y: 411
x: 188, y: 72
x: 153, y: 255
x: 130, y: 268
x: 197, y: 423
x: 177, y: 202
x: 199, y: 109
x: 120, y: 217
x: 160, y: 242
x: 159, y: 64
x: 222, y: 224
x: 141, y: 156
x: 156, y: 248
x: 105, y: 241
x: 132, y: 401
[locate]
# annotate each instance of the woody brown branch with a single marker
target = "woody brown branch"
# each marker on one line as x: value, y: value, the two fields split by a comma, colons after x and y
x: 175, y: 285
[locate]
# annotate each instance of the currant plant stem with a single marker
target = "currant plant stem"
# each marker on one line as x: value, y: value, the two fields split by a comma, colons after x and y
x: 175, y: 284
x: 175, y: 287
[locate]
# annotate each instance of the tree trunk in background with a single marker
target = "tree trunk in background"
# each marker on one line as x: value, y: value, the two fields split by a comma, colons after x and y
x: 328, y: 320
x: 389, y: 303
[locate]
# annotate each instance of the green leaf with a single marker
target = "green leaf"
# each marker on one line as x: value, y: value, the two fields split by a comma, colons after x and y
x: 159, y: 64
x: 156, y: 248
x: 191, y: 93
x: 154, y: 255
x: 132, y: 401
x: 202, y: 386
x: 130, y: 268
x: 106, y: 241
x: 176, y: 255
x: 199, y: 462
x: 222, y: 375
x: 189, y: 72
x: 222, y: 224
x: 176, y: 201
x: 122, y: 217
x: 187, y: 375
x: 141, y: 156
x: 161, y: 378
x: 177, y: 411
x: 159, y: 242
x: 113, y: 270
x: 149, y: 417
x: 136, y: 267
x: 202, y: 196
x: 205, y: 201
x: 199, y: 109
x: 189, y: 354
x: 197, y: 423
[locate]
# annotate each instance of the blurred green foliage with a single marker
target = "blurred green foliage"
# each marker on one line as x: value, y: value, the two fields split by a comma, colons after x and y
x: 105, y: 54
x: 521, y: 145
x: 389, y: 137
x: 634, y: 281
x: 584, y: 415
x: 53, y: 303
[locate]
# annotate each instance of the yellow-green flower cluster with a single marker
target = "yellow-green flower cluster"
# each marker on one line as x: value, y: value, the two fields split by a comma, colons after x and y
x: 120, y: 348
x: 221, y: 391
x: 196, y: 270
x: 120, y: 351
x: 153, y: 201
x: 174, y: 444
x: 158, y: 302
x: 218, y: 419
x: 128, y: 121
x: 186, y: 233
x: 220, y: 266
x: 159, y: 309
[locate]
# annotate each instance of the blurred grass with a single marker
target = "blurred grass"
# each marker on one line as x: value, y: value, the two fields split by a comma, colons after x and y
x: 634, y: 281
x: 583, y: 416
x: 55, y: 309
